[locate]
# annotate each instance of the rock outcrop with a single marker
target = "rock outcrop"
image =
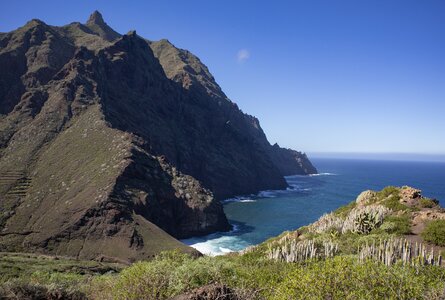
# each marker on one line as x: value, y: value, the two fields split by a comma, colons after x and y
x: 112, y: 146
x: 365, y: 197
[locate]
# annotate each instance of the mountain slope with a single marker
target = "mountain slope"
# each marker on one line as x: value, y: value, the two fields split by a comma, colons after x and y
x: 106, y: 151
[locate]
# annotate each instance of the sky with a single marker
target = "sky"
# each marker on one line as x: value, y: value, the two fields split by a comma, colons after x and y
x: 321, y: 76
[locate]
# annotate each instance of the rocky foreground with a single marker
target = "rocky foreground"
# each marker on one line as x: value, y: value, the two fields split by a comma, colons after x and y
x: 384, y: 245
x: 113, y: 146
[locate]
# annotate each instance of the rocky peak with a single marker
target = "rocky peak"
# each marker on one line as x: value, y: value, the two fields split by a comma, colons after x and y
x: 96, y: 19
x: 97, y: 24
x: 131, y: 33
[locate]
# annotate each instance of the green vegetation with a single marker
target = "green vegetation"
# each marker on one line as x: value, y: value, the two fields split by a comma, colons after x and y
x: 171, y: 274
x: 343, y: 211
x: 390, y: 197
x: 250, y: 275
x: 26, y: 275
x: 394, y: 204
x: 398, y: 225
x: 389, y: 191
x: 428, y: 203
x: 337, y: 257
x: 32, y: 266
x: 434, y: 232
x: 344, y: 278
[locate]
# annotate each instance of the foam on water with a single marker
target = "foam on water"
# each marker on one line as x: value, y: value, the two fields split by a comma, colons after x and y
x: 218, y: 245
x: 239, y: 199
x: 267, y: 194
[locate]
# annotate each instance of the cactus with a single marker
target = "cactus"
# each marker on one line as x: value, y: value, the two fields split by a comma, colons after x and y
x: 363, y: 220
x: 394, y: 250
x: 293, y: 251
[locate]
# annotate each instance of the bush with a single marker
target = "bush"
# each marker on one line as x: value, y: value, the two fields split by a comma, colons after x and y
x: 150, y: 279
x: 434, y: 232
x: 168, y: 275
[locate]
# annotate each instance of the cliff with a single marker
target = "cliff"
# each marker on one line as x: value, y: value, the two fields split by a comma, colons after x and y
x: 113, y: 146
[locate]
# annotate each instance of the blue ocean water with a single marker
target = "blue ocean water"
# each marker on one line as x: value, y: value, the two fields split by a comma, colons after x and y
x: 258, y: 217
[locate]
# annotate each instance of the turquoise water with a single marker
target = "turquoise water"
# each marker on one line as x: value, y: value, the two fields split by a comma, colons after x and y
x: 258, y: 217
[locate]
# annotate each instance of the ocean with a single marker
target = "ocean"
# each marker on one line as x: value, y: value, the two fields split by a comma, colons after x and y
x: 255, y: 218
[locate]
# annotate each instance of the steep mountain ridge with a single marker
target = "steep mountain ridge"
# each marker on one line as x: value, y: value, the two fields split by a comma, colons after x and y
x: 105, y: 151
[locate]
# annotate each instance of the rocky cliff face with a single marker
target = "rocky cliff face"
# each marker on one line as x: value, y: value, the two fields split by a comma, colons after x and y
x: 110, y: 145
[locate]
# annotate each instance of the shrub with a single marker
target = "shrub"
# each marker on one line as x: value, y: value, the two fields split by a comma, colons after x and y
x: 393, y: 203
x: 399, y: 225
x: 345, y: 278
x: 150, y: 279
x: 434, y: 232
x: 167, y: 275
x: 428, y: 203
x: 389, y: 191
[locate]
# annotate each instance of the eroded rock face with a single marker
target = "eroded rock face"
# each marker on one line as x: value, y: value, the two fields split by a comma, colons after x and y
x: 429, y: 215
x: 111, y: 145
x: 407, y: 192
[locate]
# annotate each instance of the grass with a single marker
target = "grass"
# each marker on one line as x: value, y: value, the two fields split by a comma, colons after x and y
x: 343, y: 211
x: 32, y: 276
x: 17, y: 266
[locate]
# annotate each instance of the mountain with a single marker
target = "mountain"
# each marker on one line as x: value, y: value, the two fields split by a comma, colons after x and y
x: 112, y: 146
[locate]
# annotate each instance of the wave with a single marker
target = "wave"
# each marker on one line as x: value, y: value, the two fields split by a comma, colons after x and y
x: 323, y: 174
x: 225, y: 250
x: 297, y: 188
x: 268, y: 194
x: 238, y: 199
x: 295, y: 185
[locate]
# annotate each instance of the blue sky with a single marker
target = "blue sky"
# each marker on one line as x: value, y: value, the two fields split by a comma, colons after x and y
x: 322, y: 76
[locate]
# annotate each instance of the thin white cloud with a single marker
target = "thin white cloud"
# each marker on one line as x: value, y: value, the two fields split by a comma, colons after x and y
x: 243, y: 55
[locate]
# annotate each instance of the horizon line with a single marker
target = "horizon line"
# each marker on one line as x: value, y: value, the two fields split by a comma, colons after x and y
x: 389, y: 156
